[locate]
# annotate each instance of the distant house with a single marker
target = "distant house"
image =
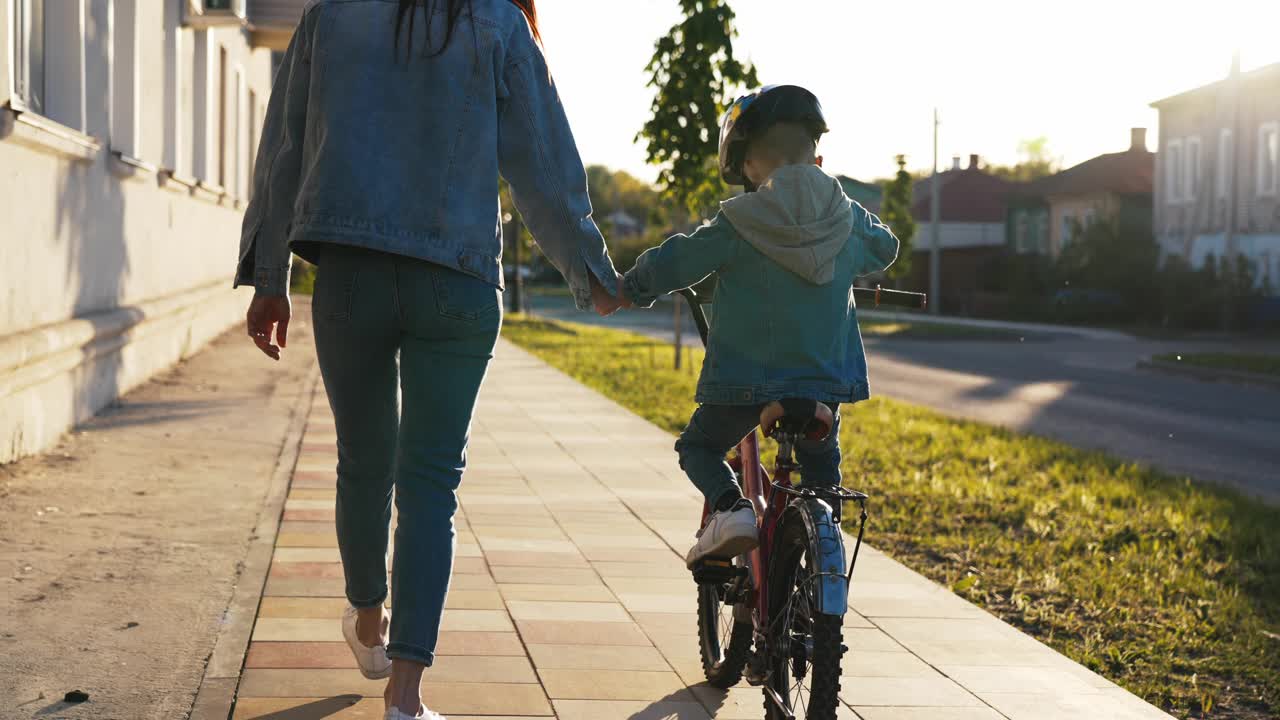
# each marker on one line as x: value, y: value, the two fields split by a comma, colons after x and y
x: 1044, y: 215
x: 868, y: 195
x: 971, y: 232
x: 1200, y: 154
x: 624, y: 224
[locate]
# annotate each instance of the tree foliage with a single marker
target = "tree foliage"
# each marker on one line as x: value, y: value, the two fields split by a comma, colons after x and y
x: 694, y: 74
x: 1034, y: 162
x: 895, y: 211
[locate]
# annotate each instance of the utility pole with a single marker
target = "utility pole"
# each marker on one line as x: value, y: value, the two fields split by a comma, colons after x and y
x: 1233, y: 199
x: 677, y: 331
x: 935, y: 248
x: 517, y: 284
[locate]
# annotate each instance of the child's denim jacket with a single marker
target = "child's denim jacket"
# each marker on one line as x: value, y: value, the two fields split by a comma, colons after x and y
x: 785, y: 258
x: 400, y: 151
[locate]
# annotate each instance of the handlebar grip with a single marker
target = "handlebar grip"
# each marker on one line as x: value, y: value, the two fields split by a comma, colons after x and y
x: 878, y: 296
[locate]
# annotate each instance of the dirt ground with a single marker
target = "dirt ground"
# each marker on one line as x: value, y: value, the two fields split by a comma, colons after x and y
x: 119, y: 548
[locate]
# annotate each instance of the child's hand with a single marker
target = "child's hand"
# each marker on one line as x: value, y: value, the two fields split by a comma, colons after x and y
x: 623, y: 301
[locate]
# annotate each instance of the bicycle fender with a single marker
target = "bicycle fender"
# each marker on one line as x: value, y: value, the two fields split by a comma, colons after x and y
x: 827, y: 551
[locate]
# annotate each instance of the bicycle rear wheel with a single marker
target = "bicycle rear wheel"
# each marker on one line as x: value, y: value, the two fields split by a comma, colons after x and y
x: 805, y: 646
x: 724, y: 641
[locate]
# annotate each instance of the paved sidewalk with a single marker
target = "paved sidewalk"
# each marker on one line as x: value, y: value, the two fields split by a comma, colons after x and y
x: 570, y: 599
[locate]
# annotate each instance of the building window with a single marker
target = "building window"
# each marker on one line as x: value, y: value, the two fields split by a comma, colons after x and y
x: 1173, y: 171
x: 1068, y: 231
x: 48, y: 59
x: 28, y: 54
x: 252, y: 152
x: 1225, y: 162
x: 1191, y: 166
x: 1268, y: 158
x: 237, y: 134
x: 222, y: 117
x: 123, y: 125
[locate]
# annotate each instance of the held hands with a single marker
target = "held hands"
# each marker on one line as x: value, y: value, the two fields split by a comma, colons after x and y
x: 269, y: 313
x: 605, y: 303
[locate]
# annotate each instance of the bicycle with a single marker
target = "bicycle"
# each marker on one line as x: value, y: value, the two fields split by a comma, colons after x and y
x: 775, y: 615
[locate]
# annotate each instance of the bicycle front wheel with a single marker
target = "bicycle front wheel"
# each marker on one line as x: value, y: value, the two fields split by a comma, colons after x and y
x: 805, y: 646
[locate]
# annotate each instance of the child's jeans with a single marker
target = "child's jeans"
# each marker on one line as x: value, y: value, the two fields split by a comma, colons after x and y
x: 715, y: 429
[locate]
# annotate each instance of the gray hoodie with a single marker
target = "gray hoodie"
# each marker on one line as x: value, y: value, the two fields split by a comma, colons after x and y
x: 800, y: 218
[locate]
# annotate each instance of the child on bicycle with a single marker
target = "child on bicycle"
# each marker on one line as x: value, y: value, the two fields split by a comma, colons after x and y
x: 784, y: 326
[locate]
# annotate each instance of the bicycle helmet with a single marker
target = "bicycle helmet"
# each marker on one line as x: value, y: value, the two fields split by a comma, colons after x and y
x: 758, y: 111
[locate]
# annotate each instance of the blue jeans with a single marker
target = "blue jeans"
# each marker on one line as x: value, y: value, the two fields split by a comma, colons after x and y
x: 369, y: 308
x: 715, y: 429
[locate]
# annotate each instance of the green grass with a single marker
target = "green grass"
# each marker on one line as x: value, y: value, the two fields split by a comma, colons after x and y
x: 1261, y: 364
x: 1167, y: 587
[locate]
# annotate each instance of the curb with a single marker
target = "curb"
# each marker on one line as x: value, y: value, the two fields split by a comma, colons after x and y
x: 1209, y: 374
x: 216, y: 695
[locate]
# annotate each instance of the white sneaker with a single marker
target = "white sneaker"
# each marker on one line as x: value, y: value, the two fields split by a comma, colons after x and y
x: 727, y: 534
x: 373, y: 661
x: 395, y: 713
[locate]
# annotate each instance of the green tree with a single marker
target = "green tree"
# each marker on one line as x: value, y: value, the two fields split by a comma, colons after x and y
x: 1034, y: 162
x: 895, y: 211
x: 693, y: 73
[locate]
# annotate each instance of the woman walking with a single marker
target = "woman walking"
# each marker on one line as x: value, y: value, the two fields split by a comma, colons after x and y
x: 388, y: 127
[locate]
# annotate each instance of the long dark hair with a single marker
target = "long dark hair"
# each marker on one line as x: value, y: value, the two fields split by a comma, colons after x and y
x: 453, y: 11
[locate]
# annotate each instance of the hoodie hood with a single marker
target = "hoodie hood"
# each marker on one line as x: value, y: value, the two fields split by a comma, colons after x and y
x: 800, y: 218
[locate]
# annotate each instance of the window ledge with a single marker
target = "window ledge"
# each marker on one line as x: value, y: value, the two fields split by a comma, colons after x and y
x: 128, y: 166
x: 41, y: 133
x: 173, y: 181
x: 209, y: 191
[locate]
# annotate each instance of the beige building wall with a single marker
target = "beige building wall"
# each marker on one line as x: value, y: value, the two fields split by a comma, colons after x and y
x: 117, y: 257
x: 1067, y: 210
x: 1191, y: 194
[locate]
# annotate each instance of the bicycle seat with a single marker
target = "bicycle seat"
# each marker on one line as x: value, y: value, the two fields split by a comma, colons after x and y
x: 797, y: 416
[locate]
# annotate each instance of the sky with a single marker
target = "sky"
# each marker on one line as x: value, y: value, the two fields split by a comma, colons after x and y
x: 1079, y: 73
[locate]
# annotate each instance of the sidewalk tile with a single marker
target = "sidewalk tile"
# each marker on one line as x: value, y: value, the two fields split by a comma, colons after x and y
x: 612, y: 685
x: 664, y: 623
x: 459, y: 599
x: 271, y: 654
x: 558, y: 632
x: 563, y: 593
x: 537, y: 559
x: 591, y: 657
x: 306, y: 555
x: 926, y: 713
x: 909, y: 691
x: 866, y: 663
x: 544, y: 576
x: 628, y: 710
x: 569, y: 611
x: 744, y: 703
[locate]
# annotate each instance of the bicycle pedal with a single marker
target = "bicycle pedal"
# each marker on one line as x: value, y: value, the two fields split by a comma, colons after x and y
x: 716, y: 571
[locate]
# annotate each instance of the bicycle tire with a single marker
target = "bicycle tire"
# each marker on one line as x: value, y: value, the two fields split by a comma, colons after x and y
x: 787, y: 567
x: 722, y: 664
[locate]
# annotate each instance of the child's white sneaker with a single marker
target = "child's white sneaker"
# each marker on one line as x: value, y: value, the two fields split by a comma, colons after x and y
x: 373, y: 661
x: 395, y: 713
x: 727, y: 534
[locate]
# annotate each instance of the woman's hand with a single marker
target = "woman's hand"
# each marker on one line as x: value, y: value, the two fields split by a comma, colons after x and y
x: 268, y: 313
x: 607, y: 304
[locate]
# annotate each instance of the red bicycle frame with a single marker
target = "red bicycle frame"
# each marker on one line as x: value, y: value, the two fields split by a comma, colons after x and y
x: 769, y: 503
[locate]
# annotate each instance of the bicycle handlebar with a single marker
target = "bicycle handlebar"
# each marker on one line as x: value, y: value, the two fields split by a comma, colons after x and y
x: 876, y: 295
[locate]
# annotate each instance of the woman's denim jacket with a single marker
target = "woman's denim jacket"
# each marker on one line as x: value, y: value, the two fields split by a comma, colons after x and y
x: 774, y: 335
x: 393, y: 149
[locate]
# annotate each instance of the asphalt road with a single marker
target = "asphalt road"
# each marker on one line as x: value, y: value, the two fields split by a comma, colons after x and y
x: 1087, y: 392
